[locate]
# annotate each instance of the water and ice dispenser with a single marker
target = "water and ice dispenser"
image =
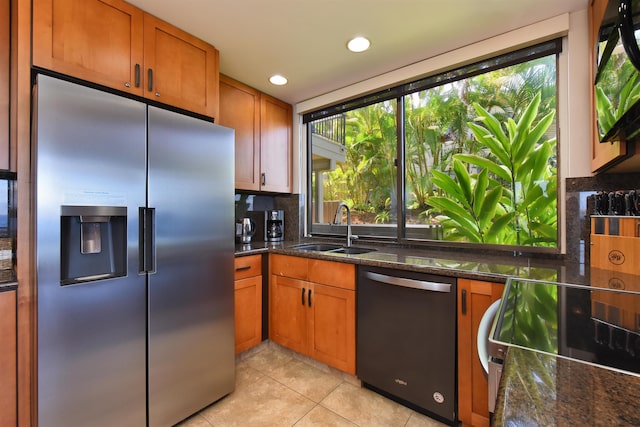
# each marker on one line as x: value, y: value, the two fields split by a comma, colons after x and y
x: 93, y: 243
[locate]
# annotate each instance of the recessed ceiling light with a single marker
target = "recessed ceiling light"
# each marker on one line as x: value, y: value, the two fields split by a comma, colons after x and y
x: 358, y: 44
x: 277, y: 79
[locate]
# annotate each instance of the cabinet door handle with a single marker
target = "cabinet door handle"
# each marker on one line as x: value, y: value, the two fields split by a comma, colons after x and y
x: 263, y: 178
x: 242, y: 268
x: 137, y: 75
x: 303, y: 290
x: 309, y: 299
x: 463, y: 303
x: 150, y: 79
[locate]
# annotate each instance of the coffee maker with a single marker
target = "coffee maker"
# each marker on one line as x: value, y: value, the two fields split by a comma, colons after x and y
x: 274, y: 226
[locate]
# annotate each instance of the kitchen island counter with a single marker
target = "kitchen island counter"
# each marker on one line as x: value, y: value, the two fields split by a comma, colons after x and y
x: 539, y: 389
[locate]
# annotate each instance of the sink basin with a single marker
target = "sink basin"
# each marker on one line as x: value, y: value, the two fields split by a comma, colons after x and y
x: 352, y: 251
x: 334, y: 249
x: 318, y: 247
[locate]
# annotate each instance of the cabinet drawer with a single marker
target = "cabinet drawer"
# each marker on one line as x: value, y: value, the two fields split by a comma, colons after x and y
x: 289, y: 266
x: 248, y: 266
x: 332, y: 273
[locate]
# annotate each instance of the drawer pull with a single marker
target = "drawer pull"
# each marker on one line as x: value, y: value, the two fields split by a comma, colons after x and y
x: 243, y: 268
x: 303, y: 290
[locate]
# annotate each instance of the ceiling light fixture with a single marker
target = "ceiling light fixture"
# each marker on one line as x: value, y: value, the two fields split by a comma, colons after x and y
x: 358, y: 44
x: 278, y: 80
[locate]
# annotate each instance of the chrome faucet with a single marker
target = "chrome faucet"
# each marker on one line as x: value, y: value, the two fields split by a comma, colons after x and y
x: 338, y: 220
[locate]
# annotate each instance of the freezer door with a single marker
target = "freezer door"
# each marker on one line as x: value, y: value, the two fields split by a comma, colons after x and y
x: 191, y: 339
x: 89, y: 150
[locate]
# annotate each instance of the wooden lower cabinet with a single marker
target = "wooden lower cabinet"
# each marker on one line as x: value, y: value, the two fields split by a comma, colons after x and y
x: 312, y: 309
x: 8, y: 361
x: 474, y: 297
x: 248, y: 302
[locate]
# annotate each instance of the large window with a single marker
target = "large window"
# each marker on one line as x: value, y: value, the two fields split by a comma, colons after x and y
x: 467, y: 156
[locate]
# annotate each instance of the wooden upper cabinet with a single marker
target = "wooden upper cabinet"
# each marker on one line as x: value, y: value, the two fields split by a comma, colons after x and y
x: 264, y: 128
x: 240, y: 110
x: 114, y: 44
x: 5, y: 52
x: 276, y: 125
x: 95, y: 40
x: 180, y: 70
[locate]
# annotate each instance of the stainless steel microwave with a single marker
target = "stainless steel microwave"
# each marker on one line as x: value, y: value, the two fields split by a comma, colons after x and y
x: 617, y: 81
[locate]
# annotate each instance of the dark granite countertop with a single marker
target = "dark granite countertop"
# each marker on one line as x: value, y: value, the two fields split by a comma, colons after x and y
x: 539, y: 389
x: 8, y: 286
x: 479, y: 266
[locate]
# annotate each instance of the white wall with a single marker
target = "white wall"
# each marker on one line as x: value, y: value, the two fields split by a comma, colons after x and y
x: 573, y: 95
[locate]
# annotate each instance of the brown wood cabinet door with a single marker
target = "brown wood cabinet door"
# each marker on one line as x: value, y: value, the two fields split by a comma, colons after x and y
x: 275, y: 145
x: 240, y: 110
x: 179, y: 69
x: 248, y: 312
x: 332, y: 327
x: 288, y: 315
x: 94, y: 40
x: 8, y: 362
x: 5, y: 52
x: 473, y: 409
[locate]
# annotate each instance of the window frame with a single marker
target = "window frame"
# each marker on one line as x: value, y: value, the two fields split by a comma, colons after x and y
x: 403, y: 233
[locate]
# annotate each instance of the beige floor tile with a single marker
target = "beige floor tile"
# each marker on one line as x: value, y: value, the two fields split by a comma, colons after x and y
x: 265, y: 361
x: 365, y: 408
x: 265, y: 403
x: 322, y: 417
x: 306, y: 380
x: 196, y: 420
x: 419, y: 420
x: 246, y: 375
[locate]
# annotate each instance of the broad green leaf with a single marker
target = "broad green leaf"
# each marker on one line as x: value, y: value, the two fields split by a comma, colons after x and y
x: 528, y: 145
x: 499, y: 224
x: 464, y: 181
x: 493, y: 167
x: 489, y: 120
x: 482, y: 182
x: 495, y: 146
x: 489, y: 206
x: 524, y: 124
x: 447, y: 184
x: 455, y: 212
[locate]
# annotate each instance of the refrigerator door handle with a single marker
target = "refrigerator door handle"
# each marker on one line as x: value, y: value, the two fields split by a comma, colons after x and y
x: 147, y: 241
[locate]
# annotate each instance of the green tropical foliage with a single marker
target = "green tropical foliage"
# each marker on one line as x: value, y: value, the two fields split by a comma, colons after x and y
x: 479, y: 156
x: 511, y: 199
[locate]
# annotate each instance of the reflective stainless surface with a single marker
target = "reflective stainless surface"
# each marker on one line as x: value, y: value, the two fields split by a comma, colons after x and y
x: 91, y: 337
x: 98, y: 341
x: 191, y: 340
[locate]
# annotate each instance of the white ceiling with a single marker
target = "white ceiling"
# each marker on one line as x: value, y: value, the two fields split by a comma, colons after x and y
x: 305, y: 40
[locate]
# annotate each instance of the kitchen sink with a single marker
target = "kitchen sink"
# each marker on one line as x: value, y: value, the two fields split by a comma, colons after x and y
x: 352, y: 251
x: 317, y: 247
x: 336, y: 249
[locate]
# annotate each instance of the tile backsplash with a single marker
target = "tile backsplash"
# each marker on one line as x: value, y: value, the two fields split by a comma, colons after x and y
x: 254, y: 205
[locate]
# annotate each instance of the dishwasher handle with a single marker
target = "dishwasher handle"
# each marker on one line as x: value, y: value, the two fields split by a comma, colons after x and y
x: 409, y: 283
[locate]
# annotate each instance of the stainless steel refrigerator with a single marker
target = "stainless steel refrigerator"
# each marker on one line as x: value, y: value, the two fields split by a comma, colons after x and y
x: 135, y: 242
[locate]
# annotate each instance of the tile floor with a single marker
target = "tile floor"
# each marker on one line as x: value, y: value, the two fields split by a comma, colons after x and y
x: 277, y: 387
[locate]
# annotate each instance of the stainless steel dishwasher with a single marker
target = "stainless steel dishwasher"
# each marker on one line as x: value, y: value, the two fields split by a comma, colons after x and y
x: 406, y: 339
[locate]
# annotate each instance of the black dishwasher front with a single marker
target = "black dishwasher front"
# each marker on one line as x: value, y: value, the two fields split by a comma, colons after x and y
x: 406, y: 338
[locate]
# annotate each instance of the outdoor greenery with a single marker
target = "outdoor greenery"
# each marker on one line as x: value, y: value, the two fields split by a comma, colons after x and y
x: 618, y: 74
x: 479, y: 156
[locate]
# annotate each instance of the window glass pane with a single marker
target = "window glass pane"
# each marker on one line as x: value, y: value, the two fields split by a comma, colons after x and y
x: 481, y: 158
x: 353, y: 160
